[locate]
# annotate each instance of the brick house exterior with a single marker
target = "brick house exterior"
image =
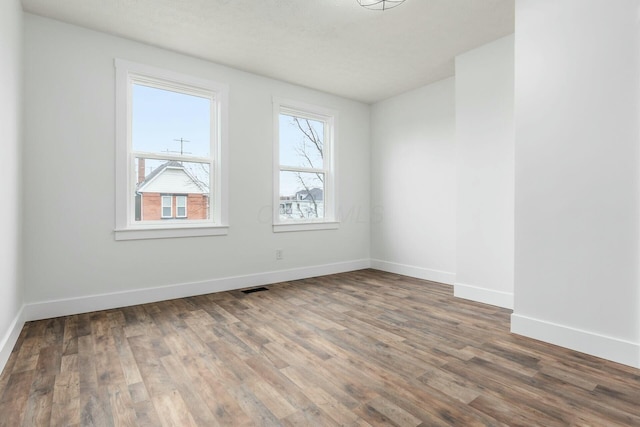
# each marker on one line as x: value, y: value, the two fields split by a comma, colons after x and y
x: 170, y: 192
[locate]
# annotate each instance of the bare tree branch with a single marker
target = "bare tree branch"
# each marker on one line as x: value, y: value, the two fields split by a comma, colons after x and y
x: 303, y: 153
x: 308, y: 191
x: 311, y: 135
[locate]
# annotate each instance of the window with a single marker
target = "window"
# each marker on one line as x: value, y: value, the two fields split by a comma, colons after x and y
x: 304, y: 175
x: 181, y: 206
x: 170, y: 148
x: 167, y: 206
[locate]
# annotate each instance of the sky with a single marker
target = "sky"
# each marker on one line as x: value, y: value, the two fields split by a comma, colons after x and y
x: 291, y: 138
x: 161, y: 116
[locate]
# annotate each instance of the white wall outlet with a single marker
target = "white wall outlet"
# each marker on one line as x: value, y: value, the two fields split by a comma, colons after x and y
x: 279, y: 254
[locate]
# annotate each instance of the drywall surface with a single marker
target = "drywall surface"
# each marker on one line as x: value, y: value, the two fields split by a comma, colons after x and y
x: 576, y: 175
x: 10, y: 143
x: 485, y: 176
x: 70, y: 251
x: 413, y: 183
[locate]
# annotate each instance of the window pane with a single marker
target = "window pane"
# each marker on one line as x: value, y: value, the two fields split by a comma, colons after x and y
x: 181, y: 206
x: 155, y: 178
x: 301, y: 142
x: 166, y: 206
x: 301, y: 195
x: 170, y: 122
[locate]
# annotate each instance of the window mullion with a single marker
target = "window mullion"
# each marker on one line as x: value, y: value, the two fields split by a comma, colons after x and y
x: 168, y: 156
x: 301, y: 169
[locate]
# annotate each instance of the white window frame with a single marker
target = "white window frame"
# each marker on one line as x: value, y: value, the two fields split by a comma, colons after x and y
x: 162, y: 206
x: 129, y: 73
x: 181, y: 197
x: 330, y: 119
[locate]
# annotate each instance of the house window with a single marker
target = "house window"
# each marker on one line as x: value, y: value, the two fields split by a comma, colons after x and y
x: 167, y: 206
x: 304, y: 169
x: 181, y: 206
x: 170, y: 146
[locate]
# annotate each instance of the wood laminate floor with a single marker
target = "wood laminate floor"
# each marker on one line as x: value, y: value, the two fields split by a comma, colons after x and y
x: 354, y: 349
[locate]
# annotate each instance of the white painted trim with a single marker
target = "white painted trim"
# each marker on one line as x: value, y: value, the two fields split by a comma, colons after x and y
x: 169, y: 233
x: 305, y: 226
x: 11, y: 337
x: 606, y: 347
x: 483, y: 295
x: 617, y: 350
x: 65, y: 307
x: 413, y: 271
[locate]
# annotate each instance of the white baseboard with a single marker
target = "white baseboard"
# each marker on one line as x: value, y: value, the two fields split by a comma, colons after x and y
x: 85, y: 304
x: 10, y: 338
x: 483, y: 295
x: 617, y: 350
x: 412, y: 271
x: 621, y: 351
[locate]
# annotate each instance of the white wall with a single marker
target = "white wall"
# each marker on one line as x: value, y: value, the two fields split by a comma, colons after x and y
x: 413, y: 183
x: 576, y: 179
x: 576, y: 175
x: 70, y: 251
x: 485, y: 145
x: 10, y: 143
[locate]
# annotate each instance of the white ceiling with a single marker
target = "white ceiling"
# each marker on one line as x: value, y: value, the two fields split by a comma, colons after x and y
x: 332, y: 45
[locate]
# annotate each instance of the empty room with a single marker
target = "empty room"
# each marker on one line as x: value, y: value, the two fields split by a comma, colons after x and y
x: 322, y: 213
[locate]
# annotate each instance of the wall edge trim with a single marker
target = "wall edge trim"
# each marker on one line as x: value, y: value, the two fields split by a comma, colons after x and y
x: 10, y: 338
x: 603, y: 346
x: 483, y: 295
x: 413, y: 271
x: 84, y: 304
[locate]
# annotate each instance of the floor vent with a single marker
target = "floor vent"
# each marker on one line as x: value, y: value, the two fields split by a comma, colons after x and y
x: 250, y: 291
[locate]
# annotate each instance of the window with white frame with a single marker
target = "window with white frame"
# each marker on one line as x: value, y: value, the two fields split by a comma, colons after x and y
x: 304, y: 166
x: 170, y: 148
x: 181, y: 206
x: 167, y: 207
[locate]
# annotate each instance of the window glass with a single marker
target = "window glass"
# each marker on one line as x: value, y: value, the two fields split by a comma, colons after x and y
x: 181, y: 206
x: 304, y: 193
x: 301, y: 142
x: 164, y: 121
x: 166, y: 206
x: 169, y: 126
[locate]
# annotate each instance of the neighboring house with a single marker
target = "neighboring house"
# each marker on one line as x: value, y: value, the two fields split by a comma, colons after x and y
x: 170, y: 191
x: 305, y: 204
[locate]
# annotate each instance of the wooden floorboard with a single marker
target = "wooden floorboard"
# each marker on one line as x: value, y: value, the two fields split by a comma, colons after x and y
x: 354, y: 349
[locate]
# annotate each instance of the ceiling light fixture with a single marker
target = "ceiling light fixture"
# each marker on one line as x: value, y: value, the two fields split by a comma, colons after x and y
x: 379, y: 4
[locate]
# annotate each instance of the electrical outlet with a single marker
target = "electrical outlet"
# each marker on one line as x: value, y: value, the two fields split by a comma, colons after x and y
x: 279, y: 254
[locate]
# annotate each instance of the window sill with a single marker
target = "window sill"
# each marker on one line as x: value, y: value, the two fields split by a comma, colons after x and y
x: 305, y: 226
x: 141, y: 233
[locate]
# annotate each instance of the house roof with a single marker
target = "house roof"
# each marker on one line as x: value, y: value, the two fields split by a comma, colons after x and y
x: 171, y: 177
x: 315, y: 193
